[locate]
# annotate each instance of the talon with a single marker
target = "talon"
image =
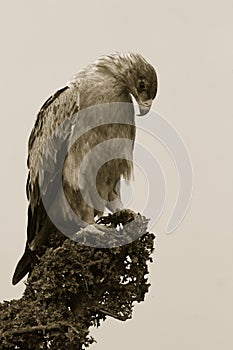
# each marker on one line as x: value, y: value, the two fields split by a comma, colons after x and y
x: 125, y: 216
x: 121, y: 217
x: 104, y: 220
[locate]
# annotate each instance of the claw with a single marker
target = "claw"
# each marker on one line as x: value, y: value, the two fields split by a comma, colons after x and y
x: 105, y: 220
x: 121, y: 217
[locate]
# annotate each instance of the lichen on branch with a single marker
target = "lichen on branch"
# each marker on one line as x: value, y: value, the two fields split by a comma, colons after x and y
x: 74, y: 286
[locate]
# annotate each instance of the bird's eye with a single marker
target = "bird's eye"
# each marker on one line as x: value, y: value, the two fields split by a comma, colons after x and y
x: 142, y: 85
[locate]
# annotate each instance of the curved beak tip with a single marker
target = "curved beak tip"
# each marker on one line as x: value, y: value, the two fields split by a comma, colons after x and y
x: 143, y: 110
x: 144, y: 107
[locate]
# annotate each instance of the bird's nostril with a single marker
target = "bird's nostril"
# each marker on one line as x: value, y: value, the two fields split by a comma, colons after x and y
x: 147, y: 103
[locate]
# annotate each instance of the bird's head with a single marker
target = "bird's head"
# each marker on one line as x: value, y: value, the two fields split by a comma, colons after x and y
x: 117, y: 74
x: 141, y: 81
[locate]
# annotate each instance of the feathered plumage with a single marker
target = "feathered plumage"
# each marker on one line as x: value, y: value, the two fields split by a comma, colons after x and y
x: 110, y: 79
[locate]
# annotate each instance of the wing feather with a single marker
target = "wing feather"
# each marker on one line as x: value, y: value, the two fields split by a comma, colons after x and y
x: 52, y: 129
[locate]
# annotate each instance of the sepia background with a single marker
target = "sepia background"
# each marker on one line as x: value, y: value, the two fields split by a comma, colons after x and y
x: 190, y: 303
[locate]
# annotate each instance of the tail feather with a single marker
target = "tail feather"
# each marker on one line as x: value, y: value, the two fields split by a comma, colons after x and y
x: 23, y: 266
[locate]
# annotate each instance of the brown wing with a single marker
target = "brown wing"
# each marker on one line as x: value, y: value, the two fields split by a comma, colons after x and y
x: 52, y: 129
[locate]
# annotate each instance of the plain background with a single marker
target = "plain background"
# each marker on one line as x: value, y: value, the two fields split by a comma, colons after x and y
x: 190, y: 303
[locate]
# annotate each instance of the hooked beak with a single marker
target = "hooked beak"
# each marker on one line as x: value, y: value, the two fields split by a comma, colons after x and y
x: 144, y: 107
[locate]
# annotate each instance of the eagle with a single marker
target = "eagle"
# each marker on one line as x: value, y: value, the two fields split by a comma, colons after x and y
x: 100, y: 95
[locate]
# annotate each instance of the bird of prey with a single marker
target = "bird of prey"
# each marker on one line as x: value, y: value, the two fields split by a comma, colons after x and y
x: 112, y: 79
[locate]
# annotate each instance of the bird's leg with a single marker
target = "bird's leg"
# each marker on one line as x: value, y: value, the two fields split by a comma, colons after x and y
x: 84, y: 212
x: 115, y: 205
x: 88, y: 222
x: 120, y: 216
